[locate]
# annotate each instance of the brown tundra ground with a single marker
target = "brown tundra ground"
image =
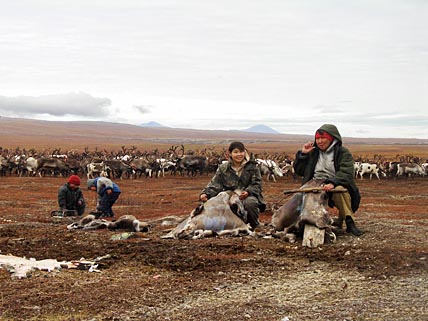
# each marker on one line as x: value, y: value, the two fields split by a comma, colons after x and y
x: 382, y: 275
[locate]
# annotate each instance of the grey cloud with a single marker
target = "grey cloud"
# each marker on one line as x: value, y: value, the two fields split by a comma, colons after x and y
x: 329, y: 109
x: 358, y: 123
x: 388, y: 119
x: 355, y: 118
x: 79, y: 104
x: 362, y: 131
x: 144, y: 109
x: 419, y: 117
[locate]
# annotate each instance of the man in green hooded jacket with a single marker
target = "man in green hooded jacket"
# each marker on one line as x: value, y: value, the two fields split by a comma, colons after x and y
x: 328, y: 160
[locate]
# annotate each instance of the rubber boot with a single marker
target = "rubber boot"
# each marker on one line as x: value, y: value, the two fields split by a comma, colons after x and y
x: 338, y: 222
x: 97, y: 214
x: 351, y: 227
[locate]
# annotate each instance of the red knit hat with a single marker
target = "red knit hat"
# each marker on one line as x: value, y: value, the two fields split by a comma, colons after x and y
x: 74, y: 179
x: 324, y: 134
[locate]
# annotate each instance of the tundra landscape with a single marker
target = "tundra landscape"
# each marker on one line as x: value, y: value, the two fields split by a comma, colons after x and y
x: 381, y: 275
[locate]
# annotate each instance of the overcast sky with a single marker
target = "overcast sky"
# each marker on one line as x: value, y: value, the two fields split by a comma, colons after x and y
x: 225, y: 64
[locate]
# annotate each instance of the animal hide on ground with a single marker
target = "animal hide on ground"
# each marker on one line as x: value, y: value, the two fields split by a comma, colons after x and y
x: 125, y: 222
x: 213, y: 218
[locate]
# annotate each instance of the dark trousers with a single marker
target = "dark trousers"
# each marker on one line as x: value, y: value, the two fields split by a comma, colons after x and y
x: 251, y: 205
x: 106, y: 202
x: 80, y: 208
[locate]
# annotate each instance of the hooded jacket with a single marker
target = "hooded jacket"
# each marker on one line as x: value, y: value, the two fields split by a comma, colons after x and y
x: 304, y: 166
x: 226, y: 179
x: 103, y: 184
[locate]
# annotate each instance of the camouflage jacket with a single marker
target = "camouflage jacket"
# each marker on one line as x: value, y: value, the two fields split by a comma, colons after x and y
x: 226, y: 179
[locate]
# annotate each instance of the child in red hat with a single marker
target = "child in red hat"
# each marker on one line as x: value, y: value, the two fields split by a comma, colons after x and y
x: 70, y: 196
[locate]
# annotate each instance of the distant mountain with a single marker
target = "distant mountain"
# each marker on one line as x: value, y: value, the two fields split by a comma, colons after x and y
x: 261, y: 129
x: 43, y: 134
x: 151, y: 124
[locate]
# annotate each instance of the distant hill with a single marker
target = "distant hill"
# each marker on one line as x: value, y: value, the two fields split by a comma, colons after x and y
x: 151, y: 124
x: 261, y: 129
x: 29, y: 133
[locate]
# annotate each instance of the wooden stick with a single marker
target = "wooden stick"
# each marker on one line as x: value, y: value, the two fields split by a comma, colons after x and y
x: 316, y: 189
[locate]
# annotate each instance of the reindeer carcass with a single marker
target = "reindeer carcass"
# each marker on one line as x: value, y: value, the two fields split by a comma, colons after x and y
x: 305, y: 211
x: 220, y: 215
x: 125, y: 222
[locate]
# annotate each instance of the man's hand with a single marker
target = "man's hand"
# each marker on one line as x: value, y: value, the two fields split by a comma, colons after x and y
x: 243, y: 195
x: 109, y: 191
x: 308, y: 147
x: 328, y: 187
x: 203, y: 197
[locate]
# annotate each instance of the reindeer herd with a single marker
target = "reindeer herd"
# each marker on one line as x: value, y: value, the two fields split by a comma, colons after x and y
x: 132, y: 163
x: 403, y: 167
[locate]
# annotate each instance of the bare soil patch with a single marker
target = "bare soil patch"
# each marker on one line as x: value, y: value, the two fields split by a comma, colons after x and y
x: 381, y: 275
